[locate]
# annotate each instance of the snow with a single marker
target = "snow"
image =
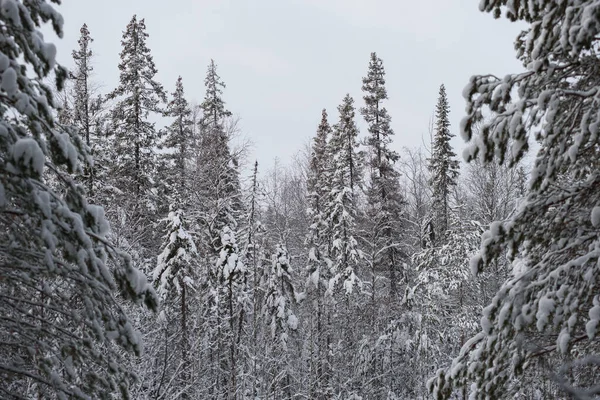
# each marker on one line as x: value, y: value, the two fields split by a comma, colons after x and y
x: 515, y: 123
x: 474, y: 264
x: 593, y: 129
x: 10, y: 11
x: 299, y: 296
x: 4, y: 62
x: 563, y: 341
x: 504, y: 314
x: 24, y: 104
x: 485, y: 323
x: 68, y: 150
x: 49, y: 50
x: 313, y: 279
x: 544, y: 98
x: 466, y: 93
x: 100, y: 221
x: 9, y: 82
x: 469, y: 152
x: 162, y: 317
x: 292, y: 322
x: 137, y: 280
x: 28, y: 153
x: 350, y: 282
x: 519, y: 267
x: 592, y: 326
x: 595, y: 216
x: 572, y: 321
x: 517, y: 147
x: 545, y: 308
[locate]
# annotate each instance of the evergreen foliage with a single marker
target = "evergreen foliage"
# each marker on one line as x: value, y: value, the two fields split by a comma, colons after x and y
x: 60, y: 321
x: 444, y: 169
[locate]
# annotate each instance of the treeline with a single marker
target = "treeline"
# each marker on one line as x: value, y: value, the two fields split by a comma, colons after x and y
x: 344, y: 274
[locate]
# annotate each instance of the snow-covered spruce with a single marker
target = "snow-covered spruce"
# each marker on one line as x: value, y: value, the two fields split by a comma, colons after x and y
x: 60, y: 321
x: 443, y: 166
x: 385, y: 201
x: 138, y: 95
x: 549, y: 307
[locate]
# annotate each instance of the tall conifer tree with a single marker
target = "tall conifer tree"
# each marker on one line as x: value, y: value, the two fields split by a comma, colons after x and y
x: 86, y: 107
x: 319, y: 243
x: 317, y: 195
x: 139, y: 95
x: 219, y: 185
x: 220, y: 211
x: 178, y: 140
x: 443, y: 167
x: 385, y: 202
x: 345, y: 177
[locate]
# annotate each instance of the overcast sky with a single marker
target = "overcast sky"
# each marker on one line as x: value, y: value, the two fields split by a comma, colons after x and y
x: 285, y: 60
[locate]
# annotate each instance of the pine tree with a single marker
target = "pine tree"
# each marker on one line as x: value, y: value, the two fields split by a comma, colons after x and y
x: 135, y: 137
x: 60, y: 321
x: 385, y: 202
x: 443, y: 167
x: 547, y: 312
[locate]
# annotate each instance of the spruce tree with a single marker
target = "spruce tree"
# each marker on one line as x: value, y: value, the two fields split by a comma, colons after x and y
x: 343, y: 148
x: 213, y: 105
x: 219, y: 210
x: 175, y: 277
x: 443, y: 167
x: 385, y: 202
x: 344, y: 254
x: 319, y: 243
x: 543, y: 323
x: 232, y: 293
x: 344, y: 176
x: 219, y: 186
x: 87, y: 108
x: 255, y: 260
x: 81, y: 75
x: 282, y: 322
x: 139, y: 94
x: 178, y: 140
x: 317, y: 196
x: 60, y: 321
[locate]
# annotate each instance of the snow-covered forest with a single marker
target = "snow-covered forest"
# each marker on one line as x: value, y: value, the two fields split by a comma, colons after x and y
x: 145, y: 255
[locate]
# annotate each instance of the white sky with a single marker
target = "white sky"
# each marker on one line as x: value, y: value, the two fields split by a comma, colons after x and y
x: 285, y: 60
